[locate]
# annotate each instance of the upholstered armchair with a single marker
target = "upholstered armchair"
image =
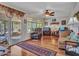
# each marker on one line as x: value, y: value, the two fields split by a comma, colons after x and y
x: 37, y: 34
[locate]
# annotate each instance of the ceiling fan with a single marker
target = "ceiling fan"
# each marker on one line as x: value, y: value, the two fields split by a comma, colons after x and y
x: 49, y: 13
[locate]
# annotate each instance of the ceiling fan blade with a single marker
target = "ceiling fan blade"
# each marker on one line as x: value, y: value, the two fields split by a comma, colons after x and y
x: 52, y: 13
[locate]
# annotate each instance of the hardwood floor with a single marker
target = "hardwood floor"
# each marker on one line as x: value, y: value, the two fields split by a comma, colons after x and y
x: 46, y: 42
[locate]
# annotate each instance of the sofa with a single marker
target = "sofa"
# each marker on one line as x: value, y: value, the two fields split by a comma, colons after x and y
x: 46, y: 31
x: 3, y: 51
x: 3, y: 38
x: 72, y: 48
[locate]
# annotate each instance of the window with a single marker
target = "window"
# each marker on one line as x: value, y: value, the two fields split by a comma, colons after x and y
x: 31, y: 26
x: 3, y: 27
x: 39, y: 25
x: 16, y: 28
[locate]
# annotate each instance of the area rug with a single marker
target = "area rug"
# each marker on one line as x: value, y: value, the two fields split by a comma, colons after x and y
x: 37, y: 50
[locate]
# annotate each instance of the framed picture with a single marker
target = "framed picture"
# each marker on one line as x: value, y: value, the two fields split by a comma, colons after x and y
x: 63, y: 22
x: 53, y: 20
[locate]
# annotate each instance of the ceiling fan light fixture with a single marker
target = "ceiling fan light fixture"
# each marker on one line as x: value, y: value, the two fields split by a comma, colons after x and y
x: 46, y: 12
x: 52, y: 14
x: 49, y: 13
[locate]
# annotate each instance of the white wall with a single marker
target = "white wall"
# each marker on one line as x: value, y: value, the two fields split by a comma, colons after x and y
x: 25, y: 34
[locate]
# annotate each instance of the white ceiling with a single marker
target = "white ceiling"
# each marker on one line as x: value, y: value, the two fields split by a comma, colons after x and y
x: 62, y: 10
